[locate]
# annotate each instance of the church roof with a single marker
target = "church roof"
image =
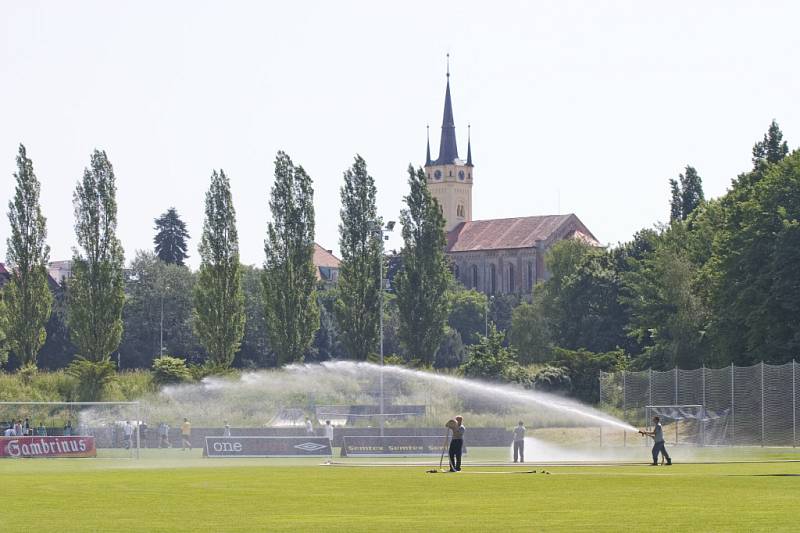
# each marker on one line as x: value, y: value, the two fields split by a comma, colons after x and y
x: 510, y: 233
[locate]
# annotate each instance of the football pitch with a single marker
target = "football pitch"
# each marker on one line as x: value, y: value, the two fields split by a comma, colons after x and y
x: 171, y: 490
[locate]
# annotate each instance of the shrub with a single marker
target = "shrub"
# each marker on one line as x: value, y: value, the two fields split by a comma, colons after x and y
x: 552, y: 379
x: 584, y: 369
x: 92, y: 377
x: 490, y: 360
x: 167, y: 370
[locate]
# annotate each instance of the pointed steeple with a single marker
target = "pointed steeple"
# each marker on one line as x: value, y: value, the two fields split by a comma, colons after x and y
x: 448, y: 150
x: 428, y: 161
x: 469, y: 146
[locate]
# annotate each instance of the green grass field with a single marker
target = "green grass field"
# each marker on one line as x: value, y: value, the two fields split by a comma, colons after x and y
x: 170, y: 490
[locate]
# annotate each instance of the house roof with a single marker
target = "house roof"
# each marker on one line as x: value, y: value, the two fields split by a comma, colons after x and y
x: 324, y: 258
x: 510, y: 233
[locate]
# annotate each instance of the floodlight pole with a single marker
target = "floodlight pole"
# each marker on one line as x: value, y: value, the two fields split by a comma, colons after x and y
x: 794, y: 404
x: 380, y: 230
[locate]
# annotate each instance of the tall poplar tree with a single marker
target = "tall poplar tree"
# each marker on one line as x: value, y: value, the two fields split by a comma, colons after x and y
x: 358, y: 305
x: 96, y: 289
x: 421, y: 285
x: 27, y: 295
x: 289, y: 280
x: 218, y: 297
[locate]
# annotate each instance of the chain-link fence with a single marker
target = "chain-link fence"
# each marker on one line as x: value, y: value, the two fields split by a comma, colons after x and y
x: 755, y: 405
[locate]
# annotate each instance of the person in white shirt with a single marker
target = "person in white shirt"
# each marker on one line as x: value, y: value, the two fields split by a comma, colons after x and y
x: 9, y: 432
x: 226, y: 431
x: 309, y: 427
x: 329, y: 431
x: 127, y: 431
x: 519, y: 443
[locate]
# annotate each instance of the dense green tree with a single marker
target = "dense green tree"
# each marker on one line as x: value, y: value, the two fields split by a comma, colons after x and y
x: 218, y: 298
x: 771, y: 149
x: 27, y: 294
x: 254, y: 351
x: 327, y: 339
x: 171, y: 237
x: 580, y: 301
x: 530, y: 333
x: 468, y: 313
x: 289, y: 279
x: 421, y: 285
x: 753, y: 271
x: 153, y: 286
x: 96, y: 288
x: 668, y: 316
x: 686, y: 194
x: 358, y: 307
x: 451, y: 351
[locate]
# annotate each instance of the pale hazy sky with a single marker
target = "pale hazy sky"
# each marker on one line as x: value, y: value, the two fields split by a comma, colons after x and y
x: 594, y: 103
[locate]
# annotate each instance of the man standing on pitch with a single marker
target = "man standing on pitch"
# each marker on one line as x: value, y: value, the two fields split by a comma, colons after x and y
x: 186, y: 435
x: 658, y: 441
x: 456, y: 444
x: 519, y: 443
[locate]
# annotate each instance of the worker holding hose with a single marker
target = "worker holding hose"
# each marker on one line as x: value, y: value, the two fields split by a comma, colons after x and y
x: 456, y: 443
x: 658, y: 441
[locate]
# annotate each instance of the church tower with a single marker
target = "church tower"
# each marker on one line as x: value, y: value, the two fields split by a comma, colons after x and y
x: 450, y: 178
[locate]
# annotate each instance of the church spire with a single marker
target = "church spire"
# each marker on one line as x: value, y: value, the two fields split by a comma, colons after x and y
x: 448, y: 150
x: 428, y: 161
x: 469, y: 145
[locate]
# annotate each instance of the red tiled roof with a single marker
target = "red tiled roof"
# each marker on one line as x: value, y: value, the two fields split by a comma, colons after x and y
x: 508, y: 233
x: 324, y: 258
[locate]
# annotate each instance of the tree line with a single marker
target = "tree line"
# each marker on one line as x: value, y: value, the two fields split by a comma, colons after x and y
x: 104, y: 316
x: 715, y: 285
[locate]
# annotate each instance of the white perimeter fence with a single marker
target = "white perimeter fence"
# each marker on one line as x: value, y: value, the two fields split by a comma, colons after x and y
x: 742, y: 406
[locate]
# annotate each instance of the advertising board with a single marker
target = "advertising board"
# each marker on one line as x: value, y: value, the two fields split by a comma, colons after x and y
x: 77, y: 446
x: 410, y: 445
x: 266, y: 446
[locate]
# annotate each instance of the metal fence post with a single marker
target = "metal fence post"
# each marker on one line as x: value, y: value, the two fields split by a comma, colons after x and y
x: 138, y: 423
x: 677, y: 421
x: 703, y: 413
x: 733, y: 409
x: 762, y: 403
x: 794, y: 404
x: 624, y: 407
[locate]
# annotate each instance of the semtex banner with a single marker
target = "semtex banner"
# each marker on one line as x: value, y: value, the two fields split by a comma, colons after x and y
x: 392, y: 445
x: 266, y: 446
x: 77, y: 446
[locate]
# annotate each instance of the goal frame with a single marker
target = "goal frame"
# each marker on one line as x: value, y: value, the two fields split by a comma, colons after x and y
x: 649, y: 413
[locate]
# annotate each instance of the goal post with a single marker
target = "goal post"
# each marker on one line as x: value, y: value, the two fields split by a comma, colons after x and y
x: 687, y: 420
x: 117, y: 428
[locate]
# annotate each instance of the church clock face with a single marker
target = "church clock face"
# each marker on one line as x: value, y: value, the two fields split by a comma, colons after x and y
x: 437, y: 174
x: 461, y: 175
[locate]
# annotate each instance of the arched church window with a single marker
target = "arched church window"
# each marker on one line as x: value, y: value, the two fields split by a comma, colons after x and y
x: 530, y: 276
x: 461, y: 175
x: 474, y: 276
x: 492, y: 280
x: 450, y: 174
x: 437, y: 174
x: 512, y: 286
